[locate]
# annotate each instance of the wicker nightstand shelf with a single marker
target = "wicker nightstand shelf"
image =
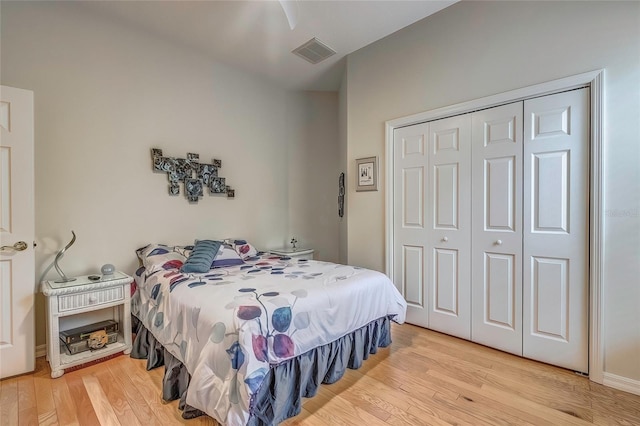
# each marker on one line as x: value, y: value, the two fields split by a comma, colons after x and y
x: 82, y: 302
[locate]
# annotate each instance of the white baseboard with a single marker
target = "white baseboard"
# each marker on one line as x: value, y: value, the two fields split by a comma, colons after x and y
x: 41, y: 350
x: 622, y: 383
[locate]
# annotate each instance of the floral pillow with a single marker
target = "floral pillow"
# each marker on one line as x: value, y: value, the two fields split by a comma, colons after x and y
x: 226, y: 256
x: 243, y: 248
x: 155, y: 256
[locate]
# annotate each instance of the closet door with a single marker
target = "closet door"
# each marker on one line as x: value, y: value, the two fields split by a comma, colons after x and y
x: 410, y: 232
x: 449, y: 221
x: 556, y: 229
x: 496, y: 167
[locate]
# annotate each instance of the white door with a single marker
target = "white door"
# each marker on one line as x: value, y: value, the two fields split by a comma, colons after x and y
x: 496, y: 167
x: 449, y: 226
x: 17, y: 288
x: 410, y: 234
x: 556, y: 229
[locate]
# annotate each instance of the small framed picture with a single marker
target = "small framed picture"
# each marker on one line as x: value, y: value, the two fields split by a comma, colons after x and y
x: 367, y: 174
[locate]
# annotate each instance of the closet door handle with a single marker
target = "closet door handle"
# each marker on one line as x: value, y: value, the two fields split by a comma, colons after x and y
x: 499, y: 242
x: 445, y: 239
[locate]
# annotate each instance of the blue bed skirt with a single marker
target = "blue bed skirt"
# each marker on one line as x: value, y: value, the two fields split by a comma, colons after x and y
x: 280, y: 395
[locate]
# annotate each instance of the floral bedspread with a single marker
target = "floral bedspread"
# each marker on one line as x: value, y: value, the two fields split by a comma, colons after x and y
x: 230, y: 324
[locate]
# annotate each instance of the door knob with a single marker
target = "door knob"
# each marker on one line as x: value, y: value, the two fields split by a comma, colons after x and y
x: 445, y: 239
x: 499, y: 242
x: 19, y: 246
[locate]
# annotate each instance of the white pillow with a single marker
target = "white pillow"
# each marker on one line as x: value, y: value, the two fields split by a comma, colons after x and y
x: 226, y: 256
x: 242, y: 247
x: 156, y: 256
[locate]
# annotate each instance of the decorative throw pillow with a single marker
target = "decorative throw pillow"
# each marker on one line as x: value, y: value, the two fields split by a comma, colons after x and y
x: 243, y: 248
x: 226, y: 256
x: 201, y: 257
x: 154, y: 256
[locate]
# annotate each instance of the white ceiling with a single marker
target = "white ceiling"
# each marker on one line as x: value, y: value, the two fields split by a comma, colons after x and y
x: 255, y: 35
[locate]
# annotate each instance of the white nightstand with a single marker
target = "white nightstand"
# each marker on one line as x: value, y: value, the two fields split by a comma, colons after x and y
x: 83, y: 302
x: 298, y: 253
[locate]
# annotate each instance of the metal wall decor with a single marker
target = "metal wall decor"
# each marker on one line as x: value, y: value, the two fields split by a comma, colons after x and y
x: 193, y: 174
x: 341, y: 195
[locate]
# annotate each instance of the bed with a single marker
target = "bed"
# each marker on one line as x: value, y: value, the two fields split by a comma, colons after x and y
x: 245, y: 340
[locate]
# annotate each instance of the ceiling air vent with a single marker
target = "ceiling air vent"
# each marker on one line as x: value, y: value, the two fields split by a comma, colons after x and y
x: 314, y: 51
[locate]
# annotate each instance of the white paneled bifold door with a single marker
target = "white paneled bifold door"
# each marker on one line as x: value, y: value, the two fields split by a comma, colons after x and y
x: 410, y: 242
x: 449, y: 226
x: 556, y: 229
x: 432, y: 225
x: 496, y: 264
x: 490, y: 231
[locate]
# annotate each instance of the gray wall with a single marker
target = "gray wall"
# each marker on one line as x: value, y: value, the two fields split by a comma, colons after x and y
x: 475, y: 49
x: 313, y: 182
x: 106, y: 93
x: 343, y: 146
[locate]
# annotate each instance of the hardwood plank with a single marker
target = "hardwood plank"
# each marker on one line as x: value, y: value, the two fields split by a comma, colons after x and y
x: 500, y: 360
x: 27, y: 409
x: 338, y: 410
x: 304, y: 418
x: 42, y: 368
x: 424, y: 378
x: 101, y: 405
x: 614, y: 419
x: 531, y: 407
x: 574, y: 402
x: 417, y: 363
x: 614, y: 399
x: 46, y: 406
x: 48, y: 419
x: 496, y: 401
x: 436, y: 416
x: 28, y: 417
x: 477, y: 410
x: 396, y: 414
x: 558, y: 395
x: 9, y: 402
x: 166, y: 413
x: 318, y: 407
x: 399, y: 399
x: 83, y: 407
x: 65, y: 407
x: 432, y: 405
x: 114, y: 398
x: 620, y: 409
x: 357, y: 413
x: 26, y: 392
x: 141, y: 409
x: 202, y: 420
x: 411, y: 383
x: 363, y: 401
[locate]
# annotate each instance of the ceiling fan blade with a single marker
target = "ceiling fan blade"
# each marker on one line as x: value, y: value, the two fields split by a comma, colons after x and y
x: 290, y: 8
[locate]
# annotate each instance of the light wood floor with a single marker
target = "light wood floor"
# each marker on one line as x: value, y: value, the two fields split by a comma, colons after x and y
x: 424, y: 378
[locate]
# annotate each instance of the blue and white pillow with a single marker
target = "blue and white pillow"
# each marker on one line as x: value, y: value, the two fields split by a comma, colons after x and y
x: 226, y: 256
x: 162, y: 256
x: 243, y: 248
x: 201, y: 257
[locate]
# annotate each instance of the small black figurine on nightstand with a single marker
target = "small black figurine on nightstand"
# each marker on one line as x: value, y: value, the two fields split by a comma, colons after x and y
x: 294, y: 241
